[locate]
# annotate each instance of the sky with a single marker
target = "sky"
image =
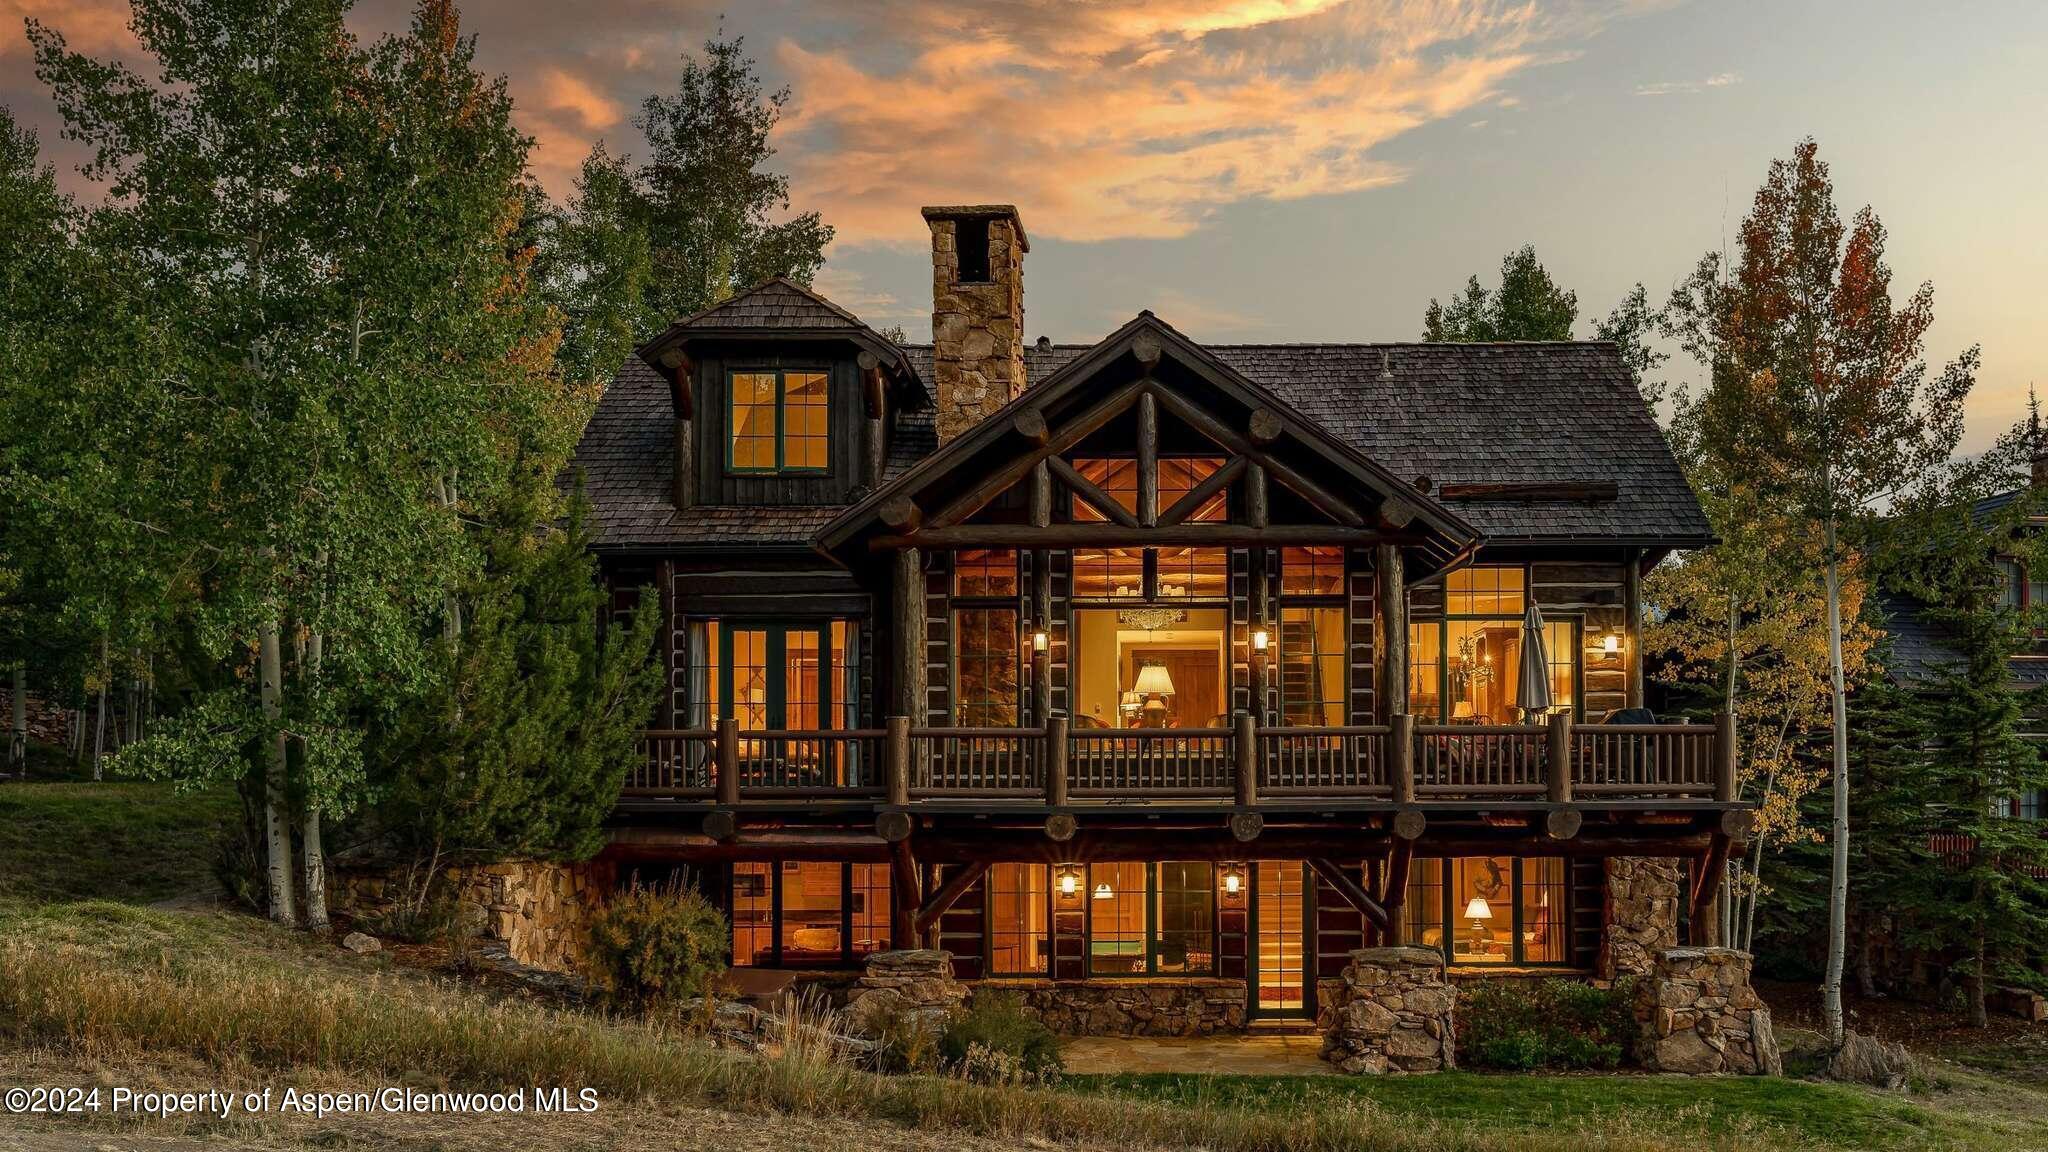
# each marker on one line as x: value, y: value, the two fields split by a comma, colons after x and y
x: 1298, y: 170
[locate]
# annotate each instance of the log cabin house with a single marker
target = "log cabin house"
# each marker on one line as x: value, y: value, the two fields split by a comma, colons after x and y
x: 1145, y: 660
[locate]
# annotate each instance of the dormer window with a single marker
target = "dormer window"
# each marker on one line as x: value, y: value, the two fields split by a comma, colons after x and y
x: 780, y: 421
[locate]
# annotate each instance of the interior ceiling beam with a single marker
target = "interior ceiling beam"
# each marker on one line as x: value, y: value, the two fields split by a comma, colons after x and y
x: 1071, y: 433
x: 1091, y: 492
x: 1202, y: 493
x: 1324, y: 500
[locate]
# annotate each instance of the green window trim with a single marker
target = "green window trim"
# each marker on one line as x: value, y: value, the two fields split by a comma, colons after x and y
x: 781, y: 431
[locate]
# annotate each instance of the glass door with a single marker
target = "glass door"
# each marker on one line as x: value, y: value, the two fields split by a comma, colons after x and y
x: 1280, y: 908
x: 779, y: 678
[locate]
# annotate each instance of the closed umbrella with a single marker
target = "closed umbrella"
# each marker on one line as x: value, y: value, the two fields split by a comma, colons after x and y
x: 1532, y: 693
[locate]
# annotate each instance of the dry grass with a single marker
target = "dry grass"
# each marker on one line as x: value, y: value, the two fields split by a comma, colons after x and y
x: 112, y: 983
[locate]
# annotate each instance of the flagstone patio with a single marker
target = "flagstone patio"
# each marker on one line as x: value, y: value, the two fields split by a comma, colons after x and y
x: 1280, y: 1054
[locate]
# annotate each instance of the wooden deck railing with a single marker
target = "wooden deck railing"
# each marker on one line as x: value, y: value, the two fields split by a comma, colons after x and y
x: 1404, y: 762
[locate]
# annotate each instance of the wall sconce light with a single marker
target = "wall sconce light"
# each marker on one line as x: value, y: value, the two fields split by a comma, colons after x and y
x: 1260, y: 638
x: 1233, y: 882
x: 1041, y: 640
x: 1070, y: 882
x: 1612, y: 644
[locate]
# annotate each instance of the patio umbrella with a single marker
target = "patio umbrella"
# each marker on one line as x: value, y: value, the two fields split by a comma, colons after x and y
x: 1532, y: 692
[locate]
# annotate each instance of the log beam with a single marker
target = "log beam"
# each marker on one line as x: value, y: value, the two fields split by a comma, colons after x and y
x: 1095, y: 535
x: 1090, y: 491
x: 1353, y: 893
x: 949, y: 894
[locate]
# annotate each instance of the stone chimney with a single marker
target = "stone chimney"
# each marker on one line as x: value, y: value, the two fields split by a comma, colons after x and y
x: 977, y: 311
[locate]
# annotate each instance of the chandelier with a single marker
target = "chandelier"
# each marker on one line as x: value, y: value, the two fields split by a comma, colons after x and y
x: 1151, y: 619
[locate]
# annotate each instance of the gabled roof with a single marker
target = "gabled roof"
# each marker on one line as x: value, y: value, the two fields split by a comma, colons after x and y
x: 1079, y: 373
x: 1924, y: 652
x: 781, y: 309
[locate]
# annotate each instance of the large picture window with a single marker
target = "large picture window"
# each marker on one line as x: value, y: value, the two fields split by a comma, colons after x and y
x: 1491, y: 909
x: 1146, y: 918
x: 779, y: 421
x: 1466, y: 667
x: 1019, y: 919
x: 808, y: 913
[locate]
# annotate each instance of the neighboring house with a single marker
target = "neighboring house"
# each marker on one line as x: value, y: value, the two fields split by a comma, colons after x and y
x: 1148, y: 659
x: 1923, y: 654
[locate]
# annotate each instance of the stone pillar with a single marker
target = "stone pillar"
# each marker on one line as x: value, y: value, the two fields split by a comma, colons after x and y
x: 1392, y: 1012
x: 977, y: 312
x: 1698, y: 1015
x: 913, y: 986
x: 1642, y: 914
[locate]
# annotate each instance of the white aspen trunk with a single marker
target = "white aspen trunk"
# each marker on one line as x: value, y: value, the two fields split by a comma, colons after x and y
x: 1838, y: 875
x: 99, y: 729
x: 277, y: 833
x: 312, y: 861
x: 17, y: 732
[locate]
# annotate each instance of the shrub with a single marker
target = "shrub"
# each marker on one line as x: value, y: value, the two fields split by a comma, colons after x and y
x: 656, y: 945
x: 997, y: 1041
x: 1559, y: 1024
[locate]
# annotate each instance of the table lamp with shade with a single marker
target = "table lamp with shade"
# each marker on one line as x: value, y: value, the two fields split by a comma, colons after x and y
x: 1153, y: 686
x: 1478, y: 912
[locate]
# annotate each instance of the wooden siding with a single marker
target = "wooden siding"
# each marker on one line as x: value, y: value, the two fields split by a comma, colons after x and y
x: 1593, y: 594
x: 715, y: 485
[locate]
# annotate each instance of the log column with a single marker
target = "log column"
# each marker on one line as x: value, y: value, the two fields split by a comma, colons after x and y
x: 681, y: 373
x: 1393, y: 638
x: 909, y: 611
x: 873, y: 402
x: 1632, y: 630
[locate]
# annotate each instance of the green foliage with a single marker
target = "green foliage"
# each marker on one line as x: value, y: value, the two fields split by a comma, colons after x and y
x: 1556, y: 1024
x: 641, y: 245
x: 655, y: 945
x: 997, y: 1041
x: 522, y: 744
x: 1528, y: 305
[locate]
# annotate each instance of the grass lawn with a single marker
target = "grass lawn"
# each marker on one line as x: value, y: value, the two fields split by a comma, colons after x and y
x: 1795, y: 1112
x: 128, y: 842
x: 89, y: 978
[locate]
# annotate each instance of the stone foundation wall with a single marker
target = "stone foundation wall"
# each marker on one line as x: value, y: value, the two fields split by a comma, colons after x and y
x: 539, y: 910
x: 1642, y: 914
x: 1699, y: 1015
x: 1150, y: 1006
x: 1391, y: 1011
x: 913, y: 986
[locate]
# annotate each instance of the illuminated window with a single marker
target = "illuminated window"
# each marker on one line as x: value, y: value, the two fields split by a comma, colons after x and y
x: 1493, y: 909
x: 1193, y: 573
x: 1109, y: 573
x: 1178, y: 476
x: 987, y: 654
x: 779, y: 422
x: 1484, y: 591
x: 1466, y: 668
x: 870, y: 909
x: 1312, y: 571
x: 1019, y: 940
x: 1311, y: 666
x: 984, y: 572
x: 753, y: 915
x: 1185, y: 915
x: 808, y: 914
x: 1116, y: 919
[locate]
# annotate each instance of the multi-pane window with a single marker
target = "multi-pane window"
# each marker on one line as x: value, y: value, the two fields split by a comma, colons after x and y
x: 1193, y: 573
x: 753, y: 914
x: 1019, y: 919
x: 1311, y: 665
x: 1313, y: 571
x: 1491, y: 909
x: 1466, y: 668
x: 987, y: 653
x: 1116, y: 919
x: 1146, y: 918
x: 1109, y: 573
x: 1178, y: 476
x: 1184, y: 916
x: 808, y: 913
x: 870, y: 909
x: 779, y: 421
x: 985, y: 572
